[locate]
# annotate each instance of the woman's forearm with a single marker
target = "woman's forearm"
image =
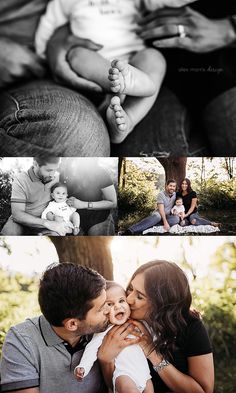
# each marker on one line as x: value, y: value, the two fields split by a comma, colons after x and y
x: 177, y: 381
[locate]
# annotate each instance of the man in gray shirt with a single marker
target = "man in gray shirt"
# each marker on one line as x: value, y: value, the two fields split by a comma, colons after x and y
x: 40, y: 354
x: 162, y: 214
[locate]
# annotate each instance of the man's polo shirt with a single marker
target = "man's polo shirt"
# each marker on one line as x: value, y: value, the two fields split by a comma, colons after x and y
x: 35, y: 356
x: 28, y: 188
x: 168, y: 201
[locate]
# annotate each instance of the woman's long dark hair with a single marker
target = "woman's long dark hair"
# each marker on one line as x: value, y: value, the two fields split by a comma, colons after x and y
x: 168, y: 293
x: 189, y: 189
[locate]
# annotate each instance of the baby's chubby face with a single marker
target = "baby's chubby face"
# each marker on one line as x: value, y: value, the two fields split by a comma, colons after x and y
x: 179, y: 202
x: 59, y: 194
x: 119, y: 310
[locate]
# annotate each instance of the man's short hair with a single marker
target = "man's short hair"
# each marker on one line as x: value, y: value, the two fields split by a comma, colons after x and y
x: 44, y: 160
x: 67, y: 290
x: 170, y: 181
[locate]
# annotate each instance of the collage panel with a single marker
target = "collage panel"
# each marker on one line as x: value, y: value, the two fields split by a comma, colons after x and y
x: 177, y: 196
x: 179, y: 293
x: 58, y: 196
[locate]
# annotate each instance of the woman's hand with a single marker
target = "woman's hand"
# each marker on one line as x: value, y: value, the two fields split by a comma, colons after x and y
x: 18, y: 62
x: 116, y: 340
x: 57, y: 50
x: 202, y: 34
x: 146, y: 340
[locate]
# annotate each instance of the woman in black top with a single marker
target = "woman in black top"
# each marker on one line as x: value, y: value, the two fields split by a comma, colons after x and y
x: 178, y: 347
x: 190, y: 204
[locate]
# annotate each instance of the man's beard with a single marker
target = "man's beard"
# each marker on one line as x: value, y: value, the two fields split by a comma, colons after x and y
x: 89, y: 329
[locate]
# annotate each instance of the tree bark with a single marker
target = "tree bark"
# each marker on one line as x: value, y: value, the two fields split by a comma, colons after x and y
x: 93, y: 252
x: 175, y: 167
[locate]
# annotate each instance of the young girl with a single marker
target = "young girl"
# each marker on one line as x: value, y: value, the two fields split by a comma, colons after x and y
x: 58, y: 210
x: 131, y: 374
x: 138, y: 72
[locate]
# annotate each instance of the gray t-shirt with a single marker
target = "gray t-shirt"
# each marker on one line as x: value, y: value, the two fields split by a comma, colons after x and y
x: 168, y: 201
x: 35, y: 356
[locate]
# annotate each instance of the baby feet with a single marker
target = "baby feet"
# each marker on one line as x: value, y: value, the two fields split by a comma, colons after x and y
x: 120, y: 124
x: 120, y: 76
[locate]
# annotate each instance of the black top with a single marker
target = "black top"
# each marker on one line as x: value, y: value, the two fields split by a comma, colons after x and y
x: 199, y: 77
x: 193, y: 341
x: 187, y: 200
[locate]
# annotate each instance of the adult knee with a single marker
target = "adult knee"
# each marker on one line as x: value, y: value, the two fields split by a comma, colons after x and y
x: 42, y: 117
x: 219, y: 121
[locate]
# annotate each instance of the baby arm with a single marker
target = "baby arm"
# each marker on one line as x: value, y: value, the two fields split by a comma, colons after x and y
x: 89, y: 356
x: 54, y: 17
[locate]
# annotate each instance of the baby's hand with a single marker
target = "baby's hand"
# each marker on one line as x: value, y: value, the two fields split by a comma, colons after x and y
x: 79, y: 373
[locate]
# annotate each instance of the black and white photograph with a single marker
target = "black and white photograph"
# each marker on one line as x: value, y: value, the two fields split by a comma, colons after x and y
x: 54, y: 196
x: 117, y: 77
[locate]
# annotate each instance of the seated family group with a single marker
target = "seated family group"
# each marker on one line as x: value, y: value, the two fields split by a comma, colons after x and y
x: 163, y: 348
x: 40, y: 203
x: 173, y: 208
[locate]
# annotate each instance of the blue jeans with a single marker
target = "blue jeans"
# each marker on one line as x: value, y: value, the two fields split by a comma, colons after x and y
x: 150, y: 221
x: 199, y: 219
x: 41, y: 117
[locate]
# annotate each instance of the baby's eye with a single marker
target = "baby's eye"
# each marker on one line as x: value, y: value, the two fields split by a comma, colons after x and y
x: 122, y: 301
x: 109, y: 304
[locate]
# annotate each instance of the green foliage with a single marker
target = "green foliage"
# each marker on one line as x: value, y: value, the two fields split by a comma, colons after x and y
x: 138, y: 191
x: 18, y: 300
x: 6, y: 179
x: 218, y: 195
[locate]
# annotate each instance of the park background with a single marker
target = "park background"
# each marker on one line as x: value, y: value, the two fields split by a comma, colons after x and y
x: 140, y: 180
x: 209, y: 262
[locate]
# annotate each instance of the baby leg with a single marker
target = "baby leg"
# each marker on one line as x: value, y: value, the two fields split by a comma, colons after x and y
x: 125, y: 384
x: 90, y: 65
x: 75, y: 219
x: 123, y: 119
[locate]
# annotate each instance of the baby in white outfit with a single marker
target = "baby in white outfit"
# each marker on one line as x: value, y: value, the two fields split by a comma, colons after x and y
x: 137, y: 74
x: 58, y: 210
x: 131, y: 367
x: 178, y: 209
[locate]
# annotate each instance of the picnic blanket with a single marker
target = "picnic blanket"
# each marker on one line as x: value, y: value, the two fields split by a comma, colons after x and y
x: 178, y: 229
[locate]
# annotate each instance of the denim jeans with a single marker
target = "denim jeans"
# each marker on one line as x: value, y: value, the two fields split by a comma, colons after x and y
x: 12, y: 228
x: 220, y: 123
x: 42, y: 117
x: 150, y: 221
x: 169, y: 129
x: 199, y: 219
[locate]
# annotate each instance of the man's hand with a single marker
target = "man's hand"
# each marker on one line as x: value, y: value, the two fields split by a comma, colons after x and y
x: 202, y: 34
x: 152, y: 5
x: 57, y: 51
x: 61, y: 228
x: 18, y: 62
x: 76, y: 203
x: 166, y: 226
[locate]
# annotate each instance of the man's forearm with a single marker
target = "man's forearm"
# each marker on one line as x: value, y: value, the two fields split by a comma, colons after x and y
x: 98, y: 205
x: 162, y: 212
x: 29, y: 220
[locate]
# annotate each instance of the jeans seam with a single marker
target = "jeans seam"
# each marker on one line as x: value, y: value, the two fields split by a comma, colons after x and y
x: 15, y: 113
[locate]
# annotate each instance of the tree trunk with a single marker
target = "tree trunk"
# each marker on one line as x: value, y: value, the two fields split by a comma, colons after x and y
x: 93, y: 252
x: 175, y: 167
